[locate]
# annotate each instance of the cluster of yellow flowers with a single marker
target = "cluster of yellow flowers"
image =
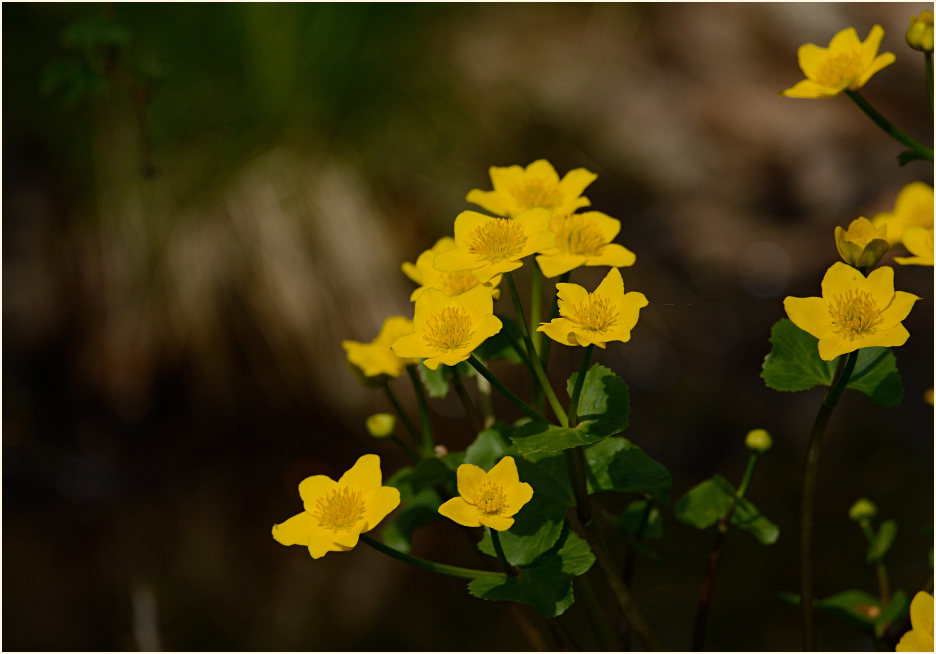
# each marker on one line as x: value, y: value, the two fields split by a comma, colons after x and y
x: 534, y: 213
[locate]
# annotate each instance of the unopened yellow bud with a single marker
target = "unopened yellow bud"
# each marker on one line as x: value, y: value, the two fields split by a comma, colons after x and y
x: 861, y: 245
x: 920, y: 33
x: 381, y: 425
x: 758, y: 440
x: 863, y: 509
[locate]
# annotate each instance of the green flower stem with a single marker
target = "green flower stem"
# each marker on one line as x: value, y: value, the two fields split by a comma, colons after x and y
x: 577, y: 389
x: 499, y: 550
x: 575, y: 457
x: 808, y: 503
x: 536, y: 304
x: 632, y: 613
x: 406, y: 448
x: 540, y: 374
x: 503, y: 390
x: 484, y: 397
x: 884, y: 124
x: 708, y: 583
x: 880, y: 567
x: 441, y: 568
x: 410, y: 428
x: 928, y: 64
x: 553, y: 314
x: 476, y: 420
x: 428, y: 444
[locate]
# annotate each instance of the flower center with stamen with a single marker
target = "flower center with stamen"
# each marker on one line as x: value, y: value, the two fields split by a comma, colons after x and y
x: 449, y: 329
x: 497, y: 240
x: 593, y: 312
x: 839, y: 68
x: 536, y: 193
x: 491, y: 498
x: 854, y: 313
x: 340, y: 509
x: 575, y: 235
x: 456, y: 283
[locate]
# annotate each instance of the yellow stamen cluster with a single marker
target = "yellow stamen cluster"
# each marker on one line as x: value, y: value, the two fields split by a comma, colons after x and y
x: 593, y: 312
x: 838, y: 68
x: 449, y: 329
x: 497, y: 240
x: 854, y: 313
x: 535, y: 193
x: 491, y: 498
x: 577, y: 236
x: 456, y: 283
x: 340, y: 509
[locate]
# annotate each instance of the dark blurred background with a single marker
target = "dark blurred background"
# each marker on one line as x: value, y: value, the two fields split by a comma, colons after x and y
x: 200, y: 201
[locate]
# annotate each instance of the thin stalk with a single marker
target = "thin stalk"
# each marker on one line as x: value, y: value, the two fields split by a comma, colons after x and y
x: 404, y: 418
x: 536, y: 304
x: 879, y: 565
x: 928, y: 65
x: 888, y: 127
x: 499, y: 550
x: 406, y: 448
x: 472, y: 412
x: 708, y: 583
x: 577, y: 389
x: 808, y: 504
x: 553, y: 314
x: 487, y: 406
x: 432, y: 566
x: 575, y: 457
x: 503, y: 390
x: 428, y: 444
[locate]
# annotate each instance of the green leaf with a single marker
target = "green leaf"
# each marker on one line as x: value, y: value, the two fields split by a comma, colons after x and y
x: 894, y: 612
x: 431, y: 472
x: 854, y: 606
x: 499, y: 346
x: 794, y: 365
x: 604, y: 401
x: 616, y: 464
x: 418, y: 507
x: 489, y: 447
x: 636, y: 519
x: 707, y: 503
x: 882, y: 541
x: 538, y: 525
x: 545, y: 584
x: 540, y: 438
x: 435, y: 381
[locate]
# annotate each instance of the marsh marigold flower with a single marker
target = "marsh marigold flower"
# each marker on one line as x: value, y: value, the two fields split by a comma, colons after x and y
x: 424, y: 273
x: 584, y: 239
x: 847, y: 64
x: 490, y: 246
x: 518, y: 189
x: 861, y: 245
x: 607, y: 314
x: 920, y: 636
x: 447, y: 329
x: 338, y: 512
x: 920, y: 33
x: 376, y: 358
x: 913, y: 208
x: 488, y: 498
x: 919, y: 241
x: 853, y: 312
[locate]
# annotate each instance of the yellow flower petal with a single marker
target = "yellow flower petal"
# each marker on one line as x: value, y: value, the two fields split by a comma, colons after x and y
x: 490, y: 200
x: 296, y: 530
x: 378, y: 504
x: 575, y: 182
x: 311, y: 489
x: 921, y: 613
x: 811, y: 57
x: 458, y: 510
x: 553, y: 265
x: 879, y: 62
x: 811, y: 314
x: 847, y: 39
x: 543, y: 170
x: 469, y: 478
x: 898, y: 309
x: 614, y: 255
x: 560, y: 330
x: 915, y: 641
x: 505, y: 472
x: 612, y: 285
x: 809, y: 89
x: 840, y: 277
x: 571, y: 293
x: 364, y: 475
x: 496, y: 522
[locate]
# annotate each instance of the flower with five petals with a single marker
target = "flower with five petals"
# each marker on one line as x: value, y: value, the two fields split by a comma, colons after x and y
x: 913, y: 208
x: 424, y: 273
x: 490, y: 498
x: 518, y: 189
x: 375, y: 359
x: 584, y: 239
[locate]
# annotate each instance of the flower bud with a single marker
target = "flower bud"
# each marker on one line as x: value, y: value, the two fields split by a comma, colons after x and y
x: 381, y: 425
x: 861, y: 245
x: 863, y: 509
x: 758, y: 440
x: 920, y: 33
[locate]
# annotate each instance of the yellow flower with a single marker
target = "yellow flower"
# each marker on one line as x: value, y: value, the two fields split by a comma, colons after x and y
x: 913, y: 208
x: 338, y: 512
x: 846, y: 64
x: 853, y: 312
x: 488, y: 498
x: 919, y: 240
x: 538, y: 186
x: 607, y: 314
x: 920, y: 637
x: 920, y: 33
x: 490, y: 246
x: 862, y: 245
x: 423, y: 272
x: 376, y: 358
x: 380, y: 425
x: 584, y: 239
x: 447, y: 329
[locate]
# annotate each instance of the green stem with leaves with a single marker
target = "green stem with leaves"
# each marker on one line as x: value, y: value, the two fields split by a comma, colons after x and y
x: 923, y: 151
x: 441, y: 568
x: 499, y: 550
x: 477, y: 421
x: 503, y: 390
x: 808, y: 503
